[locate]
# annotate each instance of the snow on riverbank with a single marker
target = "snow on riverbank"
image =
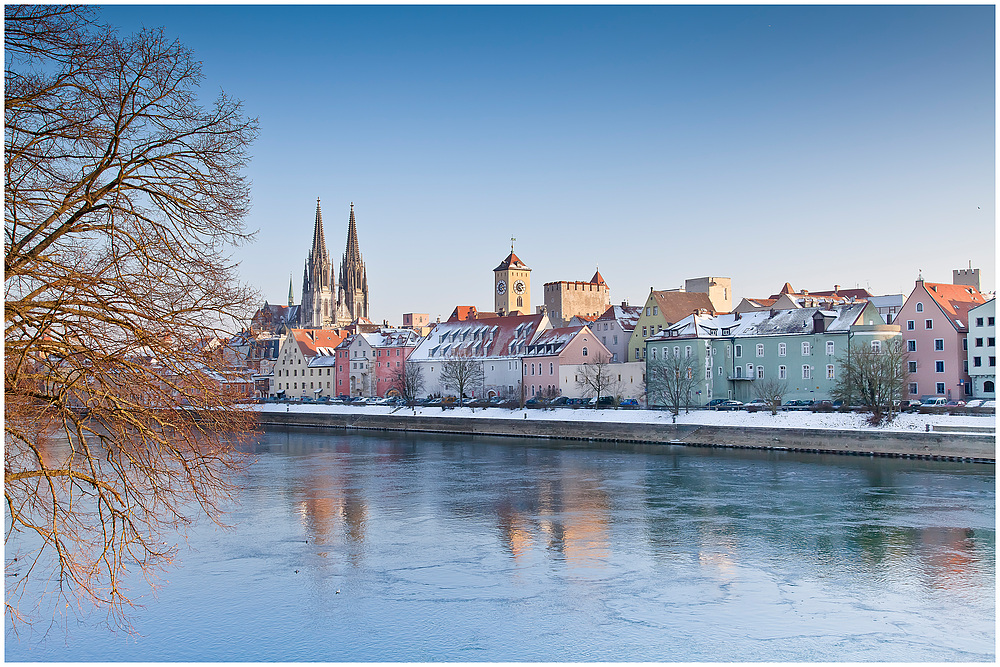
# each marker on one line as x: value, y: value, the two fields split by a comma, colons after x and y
x: 790, y: 419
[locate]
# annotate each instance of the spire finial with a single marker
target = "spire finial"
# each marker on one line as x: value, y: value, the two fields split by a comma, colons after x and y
x: 512, y: 239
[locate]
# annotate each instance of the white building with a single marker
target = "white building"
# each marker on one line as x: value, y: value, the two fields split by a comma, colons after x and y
x: 982, y: 350
x: 299, y: 370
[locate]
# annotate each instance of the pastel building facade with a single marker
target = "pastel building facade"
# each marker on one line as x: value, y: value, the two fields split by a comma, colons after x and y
x: 982, y: 350
x: 304, y: 367
x: 663, y: 308
x: 615, y: 328
x: 496, y: 344
x: 553, y: 350
x: 935, y: 324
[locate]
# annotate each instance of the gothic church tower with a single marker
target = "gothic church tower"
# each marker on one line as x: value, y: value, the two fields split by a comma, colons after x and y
x: 317, y: 281
x: 352, y: 295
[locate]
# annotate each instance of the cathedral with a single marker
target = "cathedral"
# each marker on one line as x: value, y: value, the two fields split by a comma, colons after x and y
x: 329, y: 303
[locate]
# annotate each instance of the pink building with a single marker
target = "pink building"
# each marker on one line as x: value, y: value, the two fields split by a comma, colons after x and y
x: 935, y: 320
x: 552, y: 349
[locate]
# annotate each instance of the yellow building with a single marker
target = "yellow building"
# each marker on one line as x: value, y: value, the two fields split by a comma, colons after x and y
x: 512, y: 286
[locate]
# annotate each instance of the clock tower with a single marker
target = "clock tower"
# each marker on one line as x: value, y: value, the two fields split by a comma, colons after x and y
x: 512, y: 286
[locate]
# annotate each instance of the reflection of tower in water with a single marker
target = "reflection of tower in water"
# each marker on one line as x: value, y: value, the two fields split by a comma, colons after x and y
x: 334, y: 506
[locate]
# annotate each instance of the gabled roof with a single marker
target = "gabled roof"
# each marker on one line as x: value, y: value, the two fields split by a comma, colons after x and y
x: 955, y: 301
x: 311, y: 340
x: 626, y: 316
x: 675, y: 306
x: 598, y: 278
x: 462, y: 313
x: 512, y: 262
x: 553, y: 341
x: 489, y: 337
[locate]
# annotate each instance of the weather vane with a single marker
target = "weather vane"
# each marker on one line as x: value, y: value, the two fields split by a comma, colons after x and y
x: 512, y: 239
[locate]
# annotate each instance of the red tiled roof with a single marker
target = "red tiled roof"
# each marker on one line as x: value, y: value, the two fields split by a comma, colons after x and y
x: 598, y: 278
x: 955, y: 300
x: 310, y: 339
x: 511, y: 261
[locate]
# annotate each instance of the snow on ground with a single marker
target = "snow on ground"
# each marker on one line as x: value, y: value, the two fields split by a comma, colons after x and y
x: 740, y: 418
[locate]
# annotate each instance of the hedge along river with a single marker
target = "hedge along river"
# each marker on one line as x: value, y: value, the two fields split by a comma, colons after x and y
x: 404, y: 547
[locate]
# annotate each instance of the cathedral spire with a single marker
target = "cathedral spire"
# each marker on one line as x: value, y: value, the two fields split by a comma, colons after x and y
x: 319, y: 241
x: 353, y: 251
x: 291, y: 295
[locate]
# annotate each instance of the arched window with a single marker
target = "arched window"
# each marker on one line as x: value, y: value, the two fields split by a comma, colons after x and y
x: 920, y: 307
x: 519, y: 302
x: 584, y: 351
x: 988, y: 386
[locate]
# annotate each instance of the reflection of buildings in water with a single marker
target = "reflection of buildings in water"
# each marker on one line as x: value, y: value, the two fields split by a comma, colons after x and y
x: 569, y: 516
x: 950, y: 557
x: 333, y: 505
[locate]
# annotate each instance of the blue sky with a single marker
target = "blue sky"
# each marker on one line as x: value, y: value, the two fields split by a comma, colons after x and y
x: 845, y: 145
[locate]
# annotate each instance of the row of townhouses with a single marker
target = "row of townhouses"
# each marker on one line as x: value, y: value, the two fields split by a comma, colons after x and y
x: 795, y: 336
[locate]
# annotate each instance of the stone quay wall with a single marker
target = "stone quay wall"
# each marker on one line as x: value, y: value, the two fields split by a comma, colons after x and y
x: 978, y: 448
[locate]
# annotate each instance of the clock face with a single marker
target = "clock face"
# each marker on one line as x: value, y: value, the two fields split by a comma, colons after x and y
x: 519, y: 287
x: 501, y: 287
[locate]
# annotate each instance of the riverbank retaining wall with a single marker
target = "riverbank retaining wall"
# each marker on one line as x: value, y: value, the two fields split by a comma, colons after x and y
x: 978, y: 448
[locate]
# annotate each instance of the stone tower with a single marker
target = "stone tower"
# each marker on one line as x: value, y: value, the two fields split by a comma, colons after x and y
x: 317, y: 281
x: 352, y: 295
x: 512, y: 286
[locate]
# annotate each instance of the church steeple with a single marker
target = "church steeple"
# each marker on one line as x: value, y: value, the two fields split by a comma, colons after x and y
x: 319, y: 241
x: 353, y: 251
x: 352, y: 292
x: 291, y: 295
x: 317, y: 279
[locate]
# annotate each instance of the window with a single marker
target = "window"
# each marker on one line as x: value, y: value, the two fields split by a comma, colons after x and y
x: 749, y: 370
x: 911, y: 346
x: 652, y: 353
x: 806, y: 349
x: 993, y: 361
x: 760, y: 349
x: 677, y: 351
x: 647, y: 311
x: 637, y: 354
x: 938, y: 344
x: 939, y: 367
x: 708, y: 373
x: 644, y: 332
x: 782, y: 373
x: 920, y: 307
x: 965, y: 344
x: 739, y: 351
x: 910, y: 325
x: 988, y: 387
x: 979, y: 342
x: 911, y: 366
x: 782, y: 348
x: 584, y: 351
x: 806, y: 372
x: 829, y: 348
x: 739, y: 371
x: 928, y: 324
x: 989, y: 321
x: 760, y: 372
x: 615, y: 340
x: 991, y: 342
x: 939, y: 388
x: 654, y: 310
x: 829, y: 371
x: 979, y: 321
x: 968, y: 389
x: 977, y: 362
x: 913, y: 389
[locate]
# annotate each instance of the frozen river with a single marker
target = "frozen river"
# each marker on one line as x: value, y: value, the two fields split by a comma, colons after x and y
x: 351, y: 547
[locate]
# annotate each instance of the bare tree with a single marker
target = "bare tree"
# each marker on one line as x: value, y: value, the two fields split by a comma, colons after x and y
x: 408, y: 381
x: 122, y: 197
x: 670, y: 380
x: 772, y: 391
x: 597, y: 378
x: 874, y: 375
x: 462, y: 372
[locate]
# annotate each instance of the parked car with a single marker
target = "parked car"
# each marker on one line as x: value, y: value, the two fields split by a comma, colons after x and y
x: 955, y: 404
x: 629, y: 404
x: 730, y: 404
x: 559, y: 400
x: 715, y: 403
x: 932, y: 401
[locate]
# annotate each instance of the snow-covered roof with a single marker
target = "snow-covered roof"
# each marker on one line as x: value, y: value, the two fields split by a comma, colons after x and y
x: 491, y: 337
x: 626, y: 316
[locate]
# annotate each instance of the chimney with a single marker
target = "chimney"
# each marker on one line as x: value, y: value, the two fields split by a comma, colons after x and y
x: 836, y: 288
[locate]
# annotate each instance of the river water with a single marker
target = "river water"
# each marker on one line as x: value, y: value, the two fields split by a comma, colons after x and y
x: 350, y: 547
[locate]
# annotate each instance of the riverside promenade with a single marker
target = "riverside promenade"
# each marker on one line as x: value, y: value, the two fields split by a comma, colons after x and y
x: 953, y: 439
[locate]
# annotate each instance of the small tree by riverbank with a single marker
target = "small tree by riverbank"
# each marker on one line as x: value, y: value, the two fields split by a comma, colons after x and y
x: 874, y: 376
